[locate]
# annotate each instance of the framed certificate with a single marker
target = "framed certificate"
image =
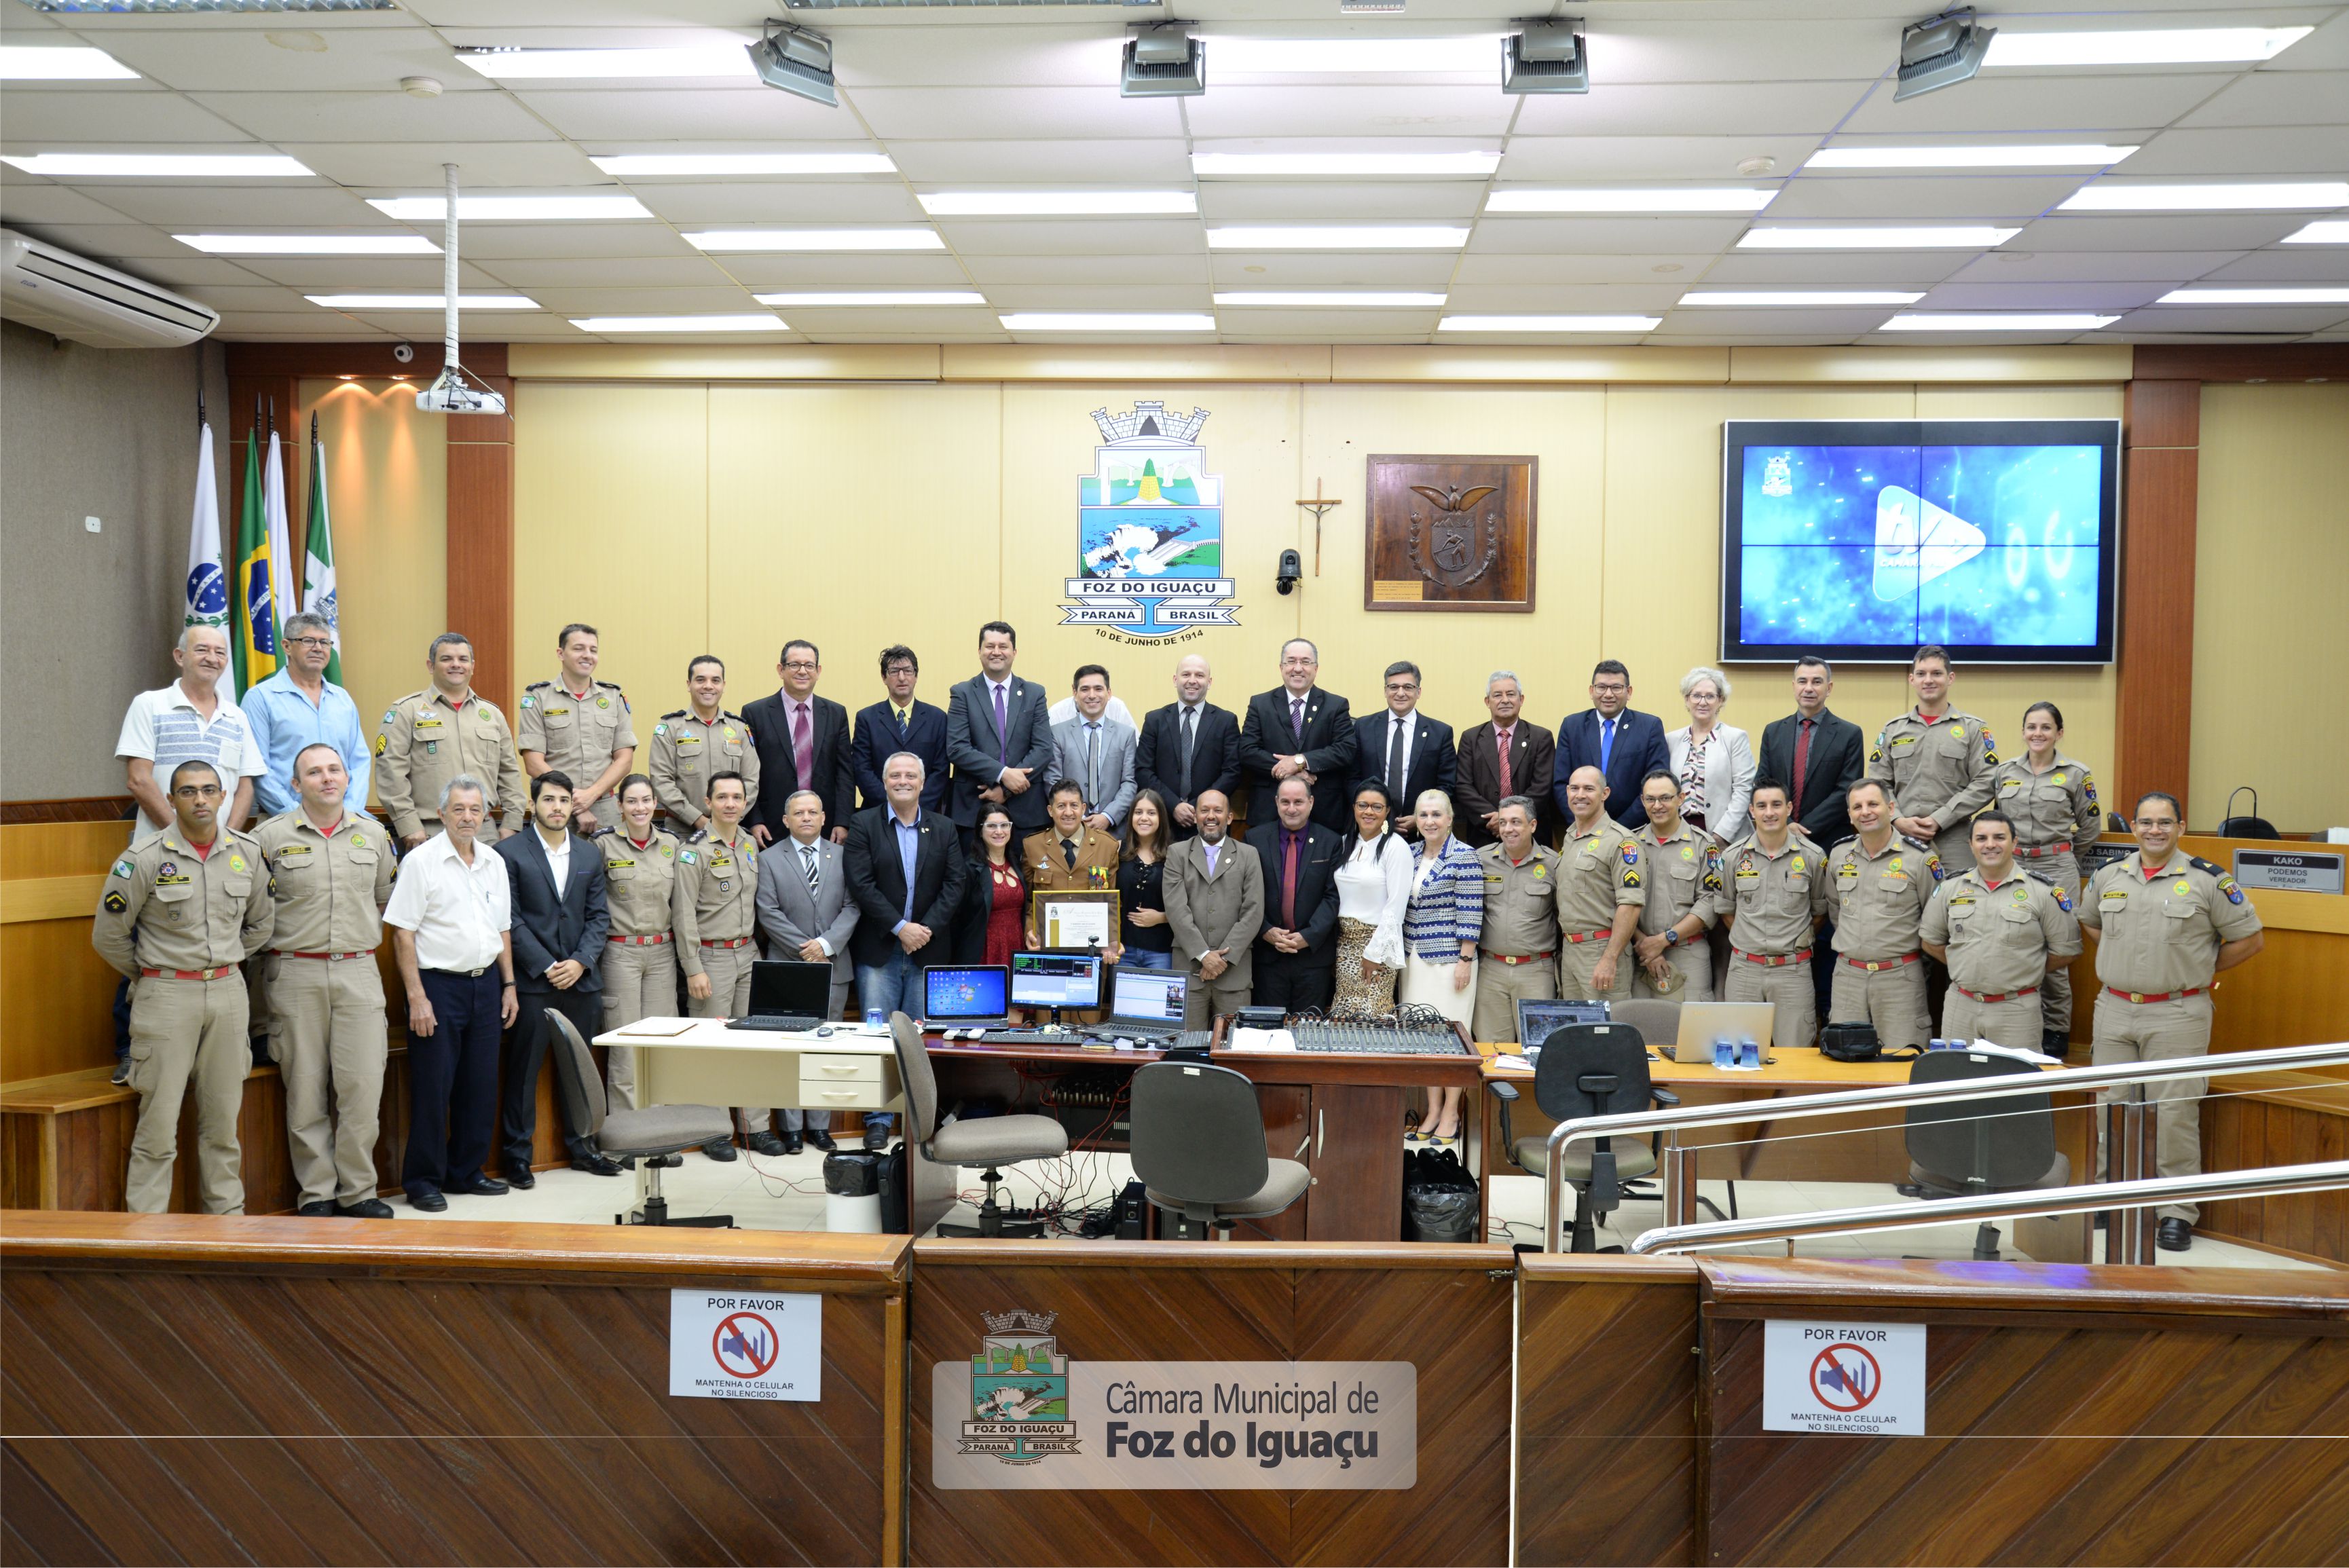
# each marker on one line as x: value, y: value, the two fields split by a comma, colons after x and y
x: 1077, y: 921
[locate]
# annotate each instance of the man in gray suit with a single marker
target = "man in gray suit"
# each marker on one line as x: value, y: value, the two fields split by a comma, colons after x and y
x: 805, y: 915
x: 1096, y: 751
x: 1214, y: 903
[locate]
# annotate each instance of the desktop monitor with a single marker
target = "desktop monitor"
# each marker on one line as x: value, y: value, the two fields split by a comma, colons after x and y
x: 962, y: 997
x: 1139, y: 996
x: 1055, y: 980
x: 1537, y: 1019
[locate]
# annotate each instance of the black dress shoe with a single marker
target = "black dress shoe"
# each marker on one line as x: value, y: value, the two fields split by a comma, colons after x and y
x: 2175, y: 1235
x: 321, y: 1210
x: 793, y: 1142
x: 722, y: 1150
x: 2055, y: 1043
x: 820, y: 1138
x: 1908, y: 1189
x: 427, y: 1198
x: 366, y: 1209
x: 519, y: 1176
x: 596, y: 1164
x: 766, y: 1143
x: 484, y: 1187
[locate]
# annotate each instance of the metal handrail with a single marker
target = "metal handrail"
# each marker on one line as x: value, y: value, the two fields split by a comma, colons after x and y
x: 1836, y: 1101
x: 2274, y: 1179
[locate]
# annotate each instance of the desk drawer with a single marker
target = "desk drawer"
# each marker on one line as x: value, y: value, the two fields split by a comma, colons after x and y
x: 859, y: 1077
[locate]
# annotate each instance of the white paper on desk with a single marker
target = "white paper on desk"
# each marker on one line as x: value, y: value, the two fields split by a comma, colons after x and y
x: 2014, y: 1053
x: 1263, y: 1040
x: 1509, y: 1061
x: 657, y: 1028
x: 1077, y: 924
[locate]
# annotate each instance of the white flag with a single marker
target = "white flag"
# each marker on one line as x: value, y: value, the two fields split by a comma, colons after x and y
x: 281, y: 550
x: 207, y: 568
x: 319, y: 568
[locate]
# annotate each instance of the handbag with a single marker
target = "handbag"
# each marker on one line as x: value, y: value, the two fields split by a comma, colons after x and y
x: 1849, y: 1042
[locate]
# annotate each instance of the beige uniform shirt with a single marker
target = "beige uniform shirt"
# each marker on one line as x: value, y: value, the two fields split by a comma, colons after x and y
x: 1520, y: 902
x: 716, y: 895
x: 165, y: 907
x: 686, y: 752
x: 577, y: 735
x: 2163, y: 933
x: 639, y: 881
x: 424, y: 741
x: 2056, y: 807
x: 1937, y: 767
x: 2000, y: 938
x: 1877, y: 900
x: 330, y: 891
x: 1599, y: 871
x: 1683, y: 873
x: 1775, y: 900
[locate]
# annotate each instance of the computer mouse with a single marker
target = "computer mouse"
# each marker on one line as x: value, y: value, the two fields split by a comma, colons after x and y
x: 824, y: 1031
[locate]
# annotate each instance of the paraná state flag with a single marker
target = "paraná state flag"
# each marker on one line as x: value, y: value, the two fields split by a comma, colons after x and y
x: 318, y: 564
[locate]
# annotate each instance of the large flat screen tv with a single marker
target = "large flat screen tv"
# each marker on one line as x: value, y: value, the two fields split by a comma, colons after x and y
x: 1863, y: 539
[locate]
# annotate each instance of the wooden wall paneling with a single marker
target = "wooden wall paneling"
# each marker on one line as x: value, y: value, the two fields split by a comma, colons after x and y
x: 480, y: 543
x: 64, y: 1021
x: 2242, y: 362
x: 2154, y: 721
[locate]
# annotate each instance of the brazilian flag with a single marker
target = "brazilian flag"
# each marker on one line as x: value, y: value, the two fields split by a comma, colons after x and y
x: 253, y: 641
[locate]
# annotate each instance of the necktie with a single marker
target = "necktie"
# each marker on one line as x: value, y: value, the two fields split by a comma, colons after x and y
x: 1092, y: 763
x: 808, y: 858
x: 1002, y: 740
x: 1289, y: 881
x: 1802, y: 759
x: 1394, y: 757
x: 803, y: 746
x: 1501, y: 748
x: 1068, y: 849
x: 1190, y: 738
x: 1296, y: 718
x: 1606, y: 744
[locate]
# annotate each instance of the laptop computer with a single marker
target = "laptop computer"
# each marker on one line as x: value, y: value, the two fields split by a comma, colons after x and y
x: 1537, y: 1018
x: 1145, y: 1003
x: 1702, y: 1022
x: 787, y: 996
x: 965, y: 997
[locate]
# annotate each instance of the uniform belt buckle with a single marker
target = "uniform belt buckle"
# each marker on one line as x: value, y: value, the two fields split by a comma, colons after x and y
x: 2136, y: 995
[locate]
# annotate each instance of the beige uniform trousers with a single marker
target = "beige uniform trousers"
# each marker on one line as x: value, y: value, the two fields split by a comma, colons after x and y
x: 1692, y: 961
x: 2130, y: 1032
x: 1787, y: 987
x: 2013, y: 1023
x: 1578, y: 961
x: 640, y: 982
x: 184, y: 1031
x: 2055, y: 991
x: 328, y: 1036
x: 1892, y: 999
x: 1498, y: 988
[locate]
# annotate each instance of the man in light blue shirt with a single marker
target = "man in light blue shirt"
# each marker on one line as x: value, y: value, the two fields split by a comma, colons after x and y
x: 299, y: 707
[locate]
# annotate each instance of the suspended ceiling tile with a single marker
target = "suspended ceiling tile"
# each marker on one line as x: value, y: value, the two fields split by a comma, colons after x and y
x: 1774, y: 109
x: 674, y: 114
x: 1918, y: 197
x: 413, y: 168
x: 118, y: 117
x: 1015, y: 114
x: 1009, y: 165
x: 1092, y: 236
x: 744, y: 202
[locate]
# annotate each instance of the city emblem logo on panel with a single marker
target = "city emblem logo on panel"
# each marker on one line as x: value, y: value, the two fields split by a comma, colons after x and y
x: 1150, y: 528
x: 1019, y: 1391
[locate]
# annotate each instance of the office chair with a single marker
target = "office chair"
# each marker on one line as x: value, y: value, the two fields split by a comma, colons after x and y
x: 656, y: 1135
x: 1588, y: 1070
x: 984, y: 1142
x: 2252, y: 827
x: 1198, y: 1148
x: 2006, y: 1146
x: 1659, y: 1019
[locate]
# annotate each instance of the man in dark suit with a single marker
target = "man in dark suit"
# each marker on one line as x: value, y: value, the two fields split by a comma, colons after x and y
x: 900, y: 724
x: 1188, y: 747
x: 555, y: 886
x: 1486, y: 780
x: 1402, y: 747
x: 1297, y: 952
x: 998, y: 737
x: 1297, y: 728
x: 803, y: 742
x: 1609, y: 736
x: 904, y: 870
x: 1818, y: 758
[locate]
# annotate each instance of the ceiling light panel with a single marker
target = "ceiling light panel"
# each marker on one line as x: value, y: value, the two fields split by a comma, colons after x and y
x: 1798, y: 297
x: 1627, y: 200
x: 1617, y: 323
x: 2331, y: 231
x: 1987, y: 321
x: 1952, y: 237
x: 421, y: 302
x: 670, y: 165
x: 1393, y: 237
x: 780, y: 239
x: 42, y: 63
x: 2255, y: 198
x: 616, y: 324
x: 1105, y: 321
x: 1357, y: 299
x: 310, y: 244
x: 1057, y: 204
x: 2163, y: 47
x: 1345, y: 165
x: 1232, y: 55
x: 2255, y: 297
x: 821, y: 299
x: 510, y: 209
x: 158, y: 165
x: 2052, y: 155
x: 727, y: 58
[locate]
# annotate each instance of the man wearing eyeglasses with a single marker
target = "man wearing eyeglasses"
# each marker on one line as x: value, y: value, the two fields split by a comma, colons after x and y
x: 299, y: 707
x: 1624, y: 744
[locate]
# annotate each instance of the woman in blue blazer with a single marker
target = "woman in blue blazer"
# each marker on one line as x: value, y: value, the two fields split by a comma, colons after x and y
x: 1440, y: 929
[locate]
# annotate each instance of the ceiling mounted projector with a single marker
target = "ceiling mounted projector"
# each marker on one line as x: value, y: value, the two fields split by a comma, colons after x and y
x: 1547, y: 56
x: 1163, y: 60
x: 797, y: 61
x: 1940, y: 52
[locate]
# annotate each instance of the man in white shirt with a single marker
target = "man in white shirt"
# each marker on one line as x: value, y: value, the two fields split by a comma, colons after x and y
x: 191, y: 720
x: 450, y: 920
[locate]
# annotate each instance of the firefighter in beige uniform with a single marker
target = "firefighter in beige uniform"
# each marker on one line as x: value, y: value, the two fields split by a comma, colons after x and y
x: 430, y: 737
x: 1877, y: 886
x: 579, y: 726
x: 697, y: 740
x: 2001, y: 931
x: 714, y: 910
x: 2166, y: 925
x: 1519, y: 942
x: 1774, y: 892
x: 331, y: 868
x: 1938, y: 760
x: 2054, y: 803
x: 639, y: 968
x: 1602, y: 889
x: 1675, y: 963
x: 177, y: 916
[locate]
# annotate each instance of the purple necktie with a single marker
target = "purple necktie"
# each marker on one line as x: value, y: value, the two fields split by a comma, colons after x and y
x: 803, y: 748
x: 1002, y: 725
x: 1296, y: 718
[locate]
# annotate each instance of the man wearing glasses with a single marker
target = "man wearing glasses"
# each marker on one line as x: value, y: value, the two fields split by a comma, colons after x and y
x: 1625, y: 746
x: 802, y: 744
x: 299, y: 707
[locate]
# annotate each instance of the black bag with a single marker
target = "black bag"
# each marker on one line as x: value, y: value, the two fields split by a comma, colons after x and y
x: 1439, y: 1197
x: 896, y: 1197
x: 1850, y: 1042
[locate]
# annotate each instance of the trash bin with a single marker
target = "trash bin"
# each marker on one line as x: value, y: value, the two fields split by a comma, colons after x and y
x: 851, y: 1191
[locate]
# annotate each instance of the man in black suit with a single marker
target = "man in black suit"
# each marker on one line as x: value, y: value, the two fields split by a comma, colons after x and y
x: 1297, y: 952
x: 1623, y: 744
x: 998, y: 737
x: 555, y: 886
x: 1532, y: 754
x: 1818, y: 758
x: 899, y: 724
x: 1402, y: 749
x: 1297, y: 728
x: 1188, y: 747
x: 906, y: 870
x: 802, y: 744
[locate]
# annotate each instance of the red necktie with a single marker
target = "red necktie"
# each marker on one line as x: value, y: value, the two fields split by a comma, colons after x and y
x: 1802, y: 759
x: 1288, y: 843
x: 1501, y: 747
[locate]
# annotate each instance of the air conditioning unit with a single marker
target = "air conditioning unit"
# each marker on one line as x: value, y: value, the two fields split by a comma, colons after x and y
x: 66, y: 296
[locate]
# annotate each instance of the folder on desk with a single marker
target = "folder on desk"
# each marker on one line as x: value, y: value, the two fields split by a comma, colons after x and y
x: 657, y: 1030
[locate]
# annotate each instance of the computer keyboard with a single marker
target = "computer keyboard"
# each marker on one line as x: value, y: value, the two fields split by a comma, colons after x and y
x: 779, y: 1022
x: 1032, y: 1037
x: 1377, y: 1040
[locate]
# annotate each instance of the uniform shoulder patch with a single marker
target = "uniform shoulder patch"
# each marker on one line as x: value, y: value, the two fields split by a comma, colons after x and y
x: 1836, y: 848
x: 609, y: 685
x: 1630, y: 852
x: 390, y: 713
x: 121, y: 868
x: 685, y: 856
x: 382, y: 743
x: 675, y: 713
x: 538, y: 686
x: 2227, y: 885
x: 1914, y: 844
x: 2200, y: 865
x: 116, y: 903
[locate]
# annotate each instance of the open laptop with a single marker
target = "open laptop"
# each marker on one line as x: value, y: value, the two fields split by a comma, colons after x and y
x: 965, y: 997
x: 786, y: 994
x: 1702, y: 1022
x: 1144, y: 1004
x: 1537, y: 1018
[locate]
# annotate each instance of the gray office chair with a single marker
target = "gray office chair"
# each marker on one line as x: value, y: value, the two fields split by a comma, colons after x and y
x: 1588, y: 1070
x: 983, y: 1143
x: 1658, y: 1019
x: 2006, y: 1146
x: 656, y: 1135
x: 1198, y: 1149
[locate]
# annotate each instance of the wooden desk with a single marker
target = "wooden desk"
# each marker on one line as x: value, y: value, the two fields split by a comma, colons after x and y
x: 710, y: 1064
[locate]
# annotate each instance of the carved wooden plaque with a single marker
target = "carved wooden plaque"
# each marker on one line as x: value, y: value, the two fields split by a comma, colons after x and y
x: 1450, y: 533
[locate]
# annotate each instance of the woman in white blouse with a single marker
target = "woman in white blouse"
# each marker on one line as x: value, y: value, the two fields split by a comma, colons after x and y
x: 1375, y: 876
x: 1713, y: 760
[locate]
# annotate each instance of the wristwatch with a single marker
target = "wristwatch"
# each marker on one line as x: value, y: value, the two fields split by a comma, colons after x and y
x: 1672, y: 937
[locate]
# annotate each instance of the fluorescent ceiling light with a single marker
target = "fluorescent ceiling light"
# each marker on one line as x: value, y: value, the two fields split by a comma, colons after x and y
x: 654, y: 165
x: 421, y: 302
x: 1360, y: 299
x: 906, y: 238
x: 1951, y: 238
x: 1800, y: 297
x: 2162, y: 46
x: 508, y: 209
x: 1667, y: 199
x: 1381, y: 237
x: 2255, y: 297
x: 730, y: 57
x: 310, y: 244
x: 1054, y: 203
x: 2065, y: 155
x: 1105, y: 321
x: 2206, y: 198
x: 36, y: 63
x: 1224, y: 165
x: 1548, y: 324
x: 2327, y: 232
x: 907, y: 296
x: 678, y: 322
x: 1985, y: 321
x: 170, y: 165
x: 1285, y: 56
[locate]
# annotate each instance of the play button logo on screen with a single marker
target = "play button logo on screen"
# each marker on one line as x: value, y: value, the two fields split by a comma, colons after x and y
x: 1917, y: 541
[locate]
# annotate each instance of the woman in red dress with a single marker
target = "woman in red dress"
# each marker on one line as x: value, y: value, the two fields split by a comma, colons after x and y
x: 1007, y: 909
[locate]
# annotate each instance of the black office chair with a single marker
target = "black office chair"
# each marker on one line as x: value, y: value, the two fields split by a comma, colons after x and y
x: 1588, y: 1070
x: 1198, y: 1148
x: 981, y: 1142
x: 1958, y: 1150
x: 2252, y: 827
x: 657, y: 1134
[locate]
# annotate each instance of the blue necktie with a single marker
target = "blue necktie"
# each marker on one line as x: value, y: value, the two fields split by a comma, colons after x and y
x: 1606, y: 744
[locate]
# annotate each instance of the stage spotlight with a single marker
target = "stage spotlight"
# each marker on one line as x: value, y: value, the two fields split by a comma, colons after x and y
x: 796, y: 60
x: 1547, y: 56
x: 1163, y: 60
x: 1940, y: 52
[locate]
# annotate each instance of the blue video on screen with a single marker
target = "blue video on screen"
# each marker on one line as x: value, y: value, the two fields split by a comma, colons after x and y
x: 1864, y: 540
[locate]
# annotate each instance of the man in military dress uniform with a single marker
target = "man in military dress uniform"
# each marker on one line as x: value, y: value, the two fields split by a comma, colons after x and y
x: 1602, y: 888
x: 2166, y: 925
x: 1519, y: 944
x: 1773, y: 893
x: 1672, y: 959
x: 697, y: 740
x: 177, y: 916
x: 1938, y: 761
x: 431, y: 736
x: 1877, y: 886
x: 580, y: 726
x: 715, y: 909
x: 2002, y: 931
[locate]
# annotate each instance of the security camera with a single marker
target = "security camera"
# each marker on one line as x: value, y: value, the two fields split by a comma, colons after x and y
x: 402, y: 352
x: 1292, y: 572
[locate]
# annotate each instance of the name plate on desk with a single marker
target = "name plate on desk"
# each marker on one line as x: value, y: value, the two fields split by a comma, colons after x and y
x: 2292, y: 870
